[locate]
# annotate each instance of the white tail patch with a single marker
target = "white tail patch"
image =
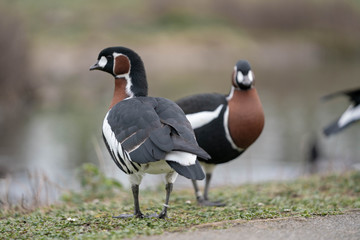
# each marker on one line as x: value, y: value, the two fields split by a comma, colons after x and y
x: 183, y: 158
x: 202, y: 118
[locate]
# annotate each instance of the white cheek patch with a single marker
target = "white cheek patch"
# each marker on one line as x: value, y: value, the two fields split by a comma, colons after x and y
x: 102, y: 62
x: 251, y: 76
x: 240, y: 77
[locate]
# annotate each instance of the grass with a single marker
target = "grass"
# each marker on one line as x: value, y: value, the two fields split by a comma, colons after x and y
x: 88, y: 216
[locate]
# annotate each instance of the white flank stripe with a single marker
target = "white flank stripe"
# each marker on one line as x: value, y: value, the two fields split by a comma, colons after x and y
x: 227, y: 133
x: 351, y: 114
x: 183, y: 158
x: 115, y: 146
x: 202, y: 118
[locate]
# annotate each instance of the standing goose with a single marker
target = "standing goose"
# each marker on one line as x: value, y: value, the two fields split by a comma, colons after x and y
x: 225, y: 126
x: 145, y: 134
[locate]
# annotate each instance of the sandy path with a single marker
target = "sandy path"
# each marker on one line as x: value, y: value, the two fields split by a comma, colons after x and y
x: 344, y: 227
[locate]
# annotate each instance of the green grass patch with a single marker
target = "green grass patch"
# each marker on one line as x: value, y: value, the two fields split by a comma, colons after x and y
x: 88, y: 216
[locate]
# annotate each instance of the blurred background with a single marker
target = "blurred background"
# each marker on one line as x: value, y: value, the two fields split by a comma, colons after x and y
x: 52, y: 107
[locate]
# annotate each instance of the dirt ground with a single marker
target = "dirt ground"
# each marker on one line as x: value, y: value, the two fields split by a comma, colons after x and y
x: 344, y: 227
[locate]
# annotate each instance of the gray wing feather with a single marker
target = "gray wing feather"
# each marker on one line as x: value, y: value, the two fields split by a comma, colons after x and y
x: 146, y: 127
x: 183, y: 134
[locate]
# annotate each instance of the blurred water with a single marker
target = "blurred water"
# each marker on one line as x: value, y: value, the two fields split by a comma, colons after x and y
x: 55, y: 144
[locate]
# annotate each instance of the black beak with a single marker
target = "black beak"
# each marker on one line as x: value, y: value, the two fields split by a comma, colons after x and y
x: 95, y: 66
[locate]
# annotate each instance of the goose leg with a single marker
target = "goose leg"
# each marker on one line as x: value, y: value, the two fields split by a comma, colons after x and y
x: 170, y: 179
x: 204, y: 200
x: 169, y: 187
x: 206, y: 190
x: 207, y: 185
x: 137, y: 212
x: 198, y: 194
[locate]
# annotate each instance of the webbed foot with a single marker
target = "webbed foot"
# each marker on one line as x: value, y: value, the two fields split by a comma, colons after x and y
x: 206, y: 202
x: 126, y: 216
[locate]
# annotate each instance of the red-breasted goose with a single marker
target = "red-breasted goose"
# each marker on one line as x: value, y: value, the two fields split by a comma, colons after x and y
x: 145, y: 134
x: 225, y: 126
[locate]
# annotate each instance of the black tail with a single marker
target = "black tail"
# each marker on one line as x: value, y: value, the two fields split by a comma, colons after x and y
x: 193, y: 172
x: 181, y: 145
